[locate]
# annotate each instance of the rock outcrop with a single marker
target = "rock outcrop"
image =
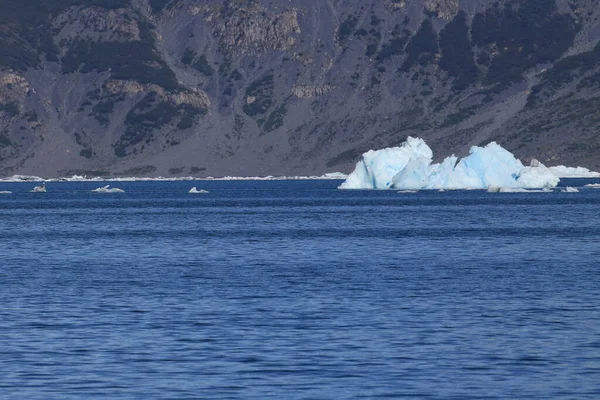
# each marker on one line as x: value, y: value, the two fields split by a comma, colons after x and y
x: 308, y: 92
x: 252, y: 28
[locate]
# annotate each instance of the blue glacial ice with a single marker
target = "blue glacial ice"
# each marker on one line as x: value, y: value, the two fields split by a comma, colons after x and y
x: 409, y: 167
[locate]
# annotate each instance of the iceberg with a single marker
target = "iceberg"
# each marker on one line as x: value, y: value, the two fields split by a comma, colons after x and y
x: 496, y: 189
x: 409, y: 167
x: 570, y: 189
x: 108, y: 189
x: 39, y: 189
x: 194, y: 190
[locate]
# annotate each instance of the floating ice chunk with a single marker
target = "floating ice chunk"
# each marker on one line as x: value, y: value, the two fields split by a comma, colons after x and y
x: 108, y: 189
x: 574, y: 172
x: 570, y: 189
x: 593, y: 185
x: 40, y: 188
x: 194, y: 190
x: 496, y: 189
x: 103, y: 189
x: 409, y: 167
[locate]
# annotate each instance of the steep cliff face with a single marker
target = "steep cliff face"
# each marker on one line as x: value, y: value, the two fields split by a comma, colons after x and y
x: 249, y: 87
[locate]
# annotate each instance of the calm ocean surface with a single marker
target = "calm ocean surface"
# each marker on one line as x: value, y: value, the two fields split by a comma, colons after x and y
x: 295, y: 290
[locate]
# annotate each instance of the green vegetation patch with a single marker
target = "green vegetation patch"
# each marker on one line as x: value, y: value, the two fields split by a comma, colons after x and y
x: 136, y: 61
x: 152, y: 113
x: 347, y: 28
x: 458, y: 117
x: 5, y: 141
x: 392, y: 48
x: 236, y: 75
x: 186, y: 122
x: 107, y: 4
x: 188, y: 56
x: 422, y: 48
x: 524, y: 36
x: 103, y: 109
x: 30, y: 116
x: 149, y: 114
x: 457, y: 54
x: 138, y: 171
x: 565, y: 71
x: 26, y: 30
x: 158, y: 5
x: 189, y: 114
x: 590, y: 81
x: 371, y: 49
x: 87, y: 153
x: 261, y: 93
x: 11, y: 108
x: 191, y: 59
x: 201, y: 64
x: 275, y: 120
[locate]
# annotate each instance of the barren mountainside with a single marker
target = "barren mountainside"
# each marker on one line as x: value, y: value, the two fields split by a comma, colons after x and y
x: 256, y: 87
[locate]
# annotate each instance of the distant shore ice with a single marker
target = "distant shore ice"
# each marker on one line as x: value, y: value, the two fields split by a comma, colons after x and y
x: 79, y: 178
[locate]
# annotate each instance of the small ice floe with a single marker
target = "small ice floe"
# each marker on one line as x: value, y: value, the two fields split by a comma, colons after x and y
x: 407, y: 191
x: 194, y: 190
x: 108, y: 189
x: 40, y: 188
x: 593, y: 185
x: 496, y: 189
x: 5, y: 192
x: 570, y: 189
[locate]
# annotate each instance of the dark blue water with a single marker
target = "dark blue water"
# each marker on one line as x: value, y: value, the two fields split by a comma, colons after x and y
x: 295, y: 290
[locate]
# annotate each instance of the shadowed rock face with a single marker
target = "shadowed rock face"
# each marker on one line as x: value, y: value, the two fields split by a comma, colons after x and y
x: 212, y: 87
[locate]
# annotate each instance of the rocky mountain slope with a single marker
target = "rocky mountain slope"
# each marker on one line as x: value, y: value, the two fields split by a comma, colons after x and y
x: 256, y: 87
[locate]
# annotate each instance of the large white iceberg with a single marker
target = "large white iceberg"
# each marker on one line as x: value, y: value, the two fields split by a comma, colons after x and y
x: 409, y: 167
